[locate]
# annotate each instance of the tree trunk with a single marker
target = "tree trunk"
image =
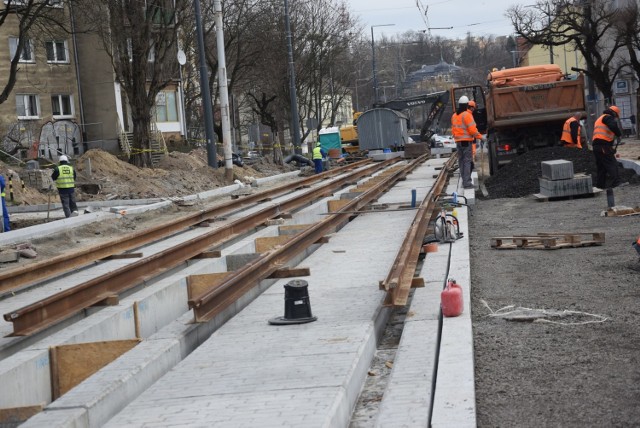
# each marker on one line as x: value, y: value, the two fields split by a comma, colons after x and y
x: 141, y: 153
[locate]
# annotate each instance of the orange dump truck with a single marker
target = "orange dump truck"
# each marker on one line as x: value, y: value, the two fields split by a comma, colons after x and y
x: 524, y: 108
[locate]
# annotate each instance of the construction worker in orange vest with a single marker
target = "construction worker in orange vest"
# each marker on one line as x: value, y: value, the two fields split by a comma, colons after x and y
x: 605, y: 131
x: 471, y: 107
x: 571, y: 132
x: 636, y: 245
x: 464, y: 130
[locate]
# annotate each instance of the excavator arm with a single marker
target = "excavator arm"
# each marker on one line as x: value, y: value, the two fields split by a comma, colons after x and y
x: 438, y: 101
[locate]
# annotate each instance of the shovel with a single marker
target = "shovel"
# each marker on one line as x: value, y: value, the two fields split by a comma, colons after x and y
x: 48, y: 203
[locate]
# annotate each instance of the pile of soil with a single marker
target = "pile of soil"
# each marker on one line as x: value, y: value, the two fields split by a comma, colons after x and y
x: 519, y: 178
x: 178, y: 174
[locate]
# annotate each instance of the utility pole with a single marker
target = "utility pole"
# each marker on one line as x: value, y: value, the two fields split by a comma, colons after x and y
x: 295, y: 118
x: 224, y: 93
x: 373, y: 63
x: 212, y: 158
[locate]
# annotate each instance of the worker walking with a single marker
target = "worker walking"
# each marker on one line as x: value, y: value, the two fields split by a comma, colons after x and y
x: 605, y: 131
x: 5, y: 227
x: 464, y: 130
x: 572, y: 132
x: 65, y: 177
x: 318, y: 156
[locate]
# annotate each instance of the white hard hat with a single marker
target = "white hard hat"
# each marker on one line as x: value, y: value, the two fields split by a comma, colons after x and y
x: 463, y: 100
x: 63, y: 158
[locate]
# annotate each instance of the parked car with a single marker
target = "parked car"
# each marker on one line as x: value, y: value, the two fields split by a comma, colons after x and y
x: 443, y: 141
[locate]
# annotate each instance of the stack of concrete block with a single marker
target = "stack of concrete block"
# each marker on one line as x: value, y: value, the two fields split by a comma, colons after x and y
x: 39, y: 178
x: 558, y: 179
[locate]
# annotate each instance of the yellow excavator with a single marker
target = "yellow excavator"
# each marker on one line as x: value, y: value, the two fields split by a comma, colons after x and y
x: 349, y: 135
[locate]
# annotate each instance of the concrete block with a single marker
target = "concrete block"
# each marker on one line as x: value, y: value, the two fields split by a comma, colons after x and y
x: 415, y: 150
x: 379, y: 157
x: 578, y: 185
x: 557, y: 169
x: 236, y: 261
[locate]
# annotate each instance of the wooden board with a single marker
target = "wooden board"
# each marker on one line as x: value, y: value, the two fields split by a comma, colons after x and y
x: 268, y: 243
x: 544, y: 198
x: 17, y: 415
x: 71, y: 364
x: 197, y: 285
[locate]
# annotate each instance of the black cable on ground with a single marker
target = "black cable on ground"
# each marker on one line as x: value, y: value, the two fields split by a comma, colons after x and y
x: 438, y: 341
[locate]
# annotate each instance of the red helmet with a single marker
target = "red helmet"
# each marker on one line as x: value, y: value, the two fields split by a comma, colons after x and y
x: 615, y: 109
x: 472, y: 104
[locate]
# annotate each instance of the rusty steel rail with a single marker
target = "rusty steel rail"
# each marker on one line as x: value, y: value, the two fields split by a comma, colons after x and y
x: 35, y: 272
x: 401, y: 275
x: 215, y: 300
x: 56, y: 308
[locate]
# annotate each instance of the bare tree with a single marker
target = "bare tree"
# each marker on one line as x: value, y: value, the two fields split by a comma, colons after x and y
x: 587, y: 25
x: 140, y: 38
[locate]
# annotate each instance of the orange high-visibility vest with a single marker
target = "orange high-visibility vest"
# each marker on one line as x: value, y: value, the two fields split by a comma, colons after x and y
x: 463, y: 127
x: 602, y: 131
x: 566, y: 134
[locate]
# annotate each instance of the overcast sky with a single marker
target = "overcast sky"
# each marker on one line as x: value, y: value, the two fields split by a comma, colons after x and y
x: 480, y: 17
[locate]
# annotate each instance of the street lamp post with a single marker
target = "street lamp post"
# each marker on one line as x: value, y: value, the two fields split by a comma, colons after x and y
x: 357, y: 102
x: 373, y: 62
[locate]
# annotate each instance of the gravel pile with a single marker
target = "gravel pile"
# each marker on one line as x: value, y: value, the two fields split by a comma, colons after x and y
x: 519, y: 178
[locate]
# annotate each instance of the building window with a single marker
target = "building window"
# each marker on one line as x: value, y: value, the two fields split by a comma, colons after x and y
x: 61, y: 106
x: 57, y: 51
x: 166, y: 107
x: 27, y: 106
x: 27, y: 50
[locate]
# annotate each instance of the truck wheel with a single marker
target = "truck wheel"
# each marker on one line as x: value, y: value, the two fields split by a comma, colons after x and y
x: 493, y: 159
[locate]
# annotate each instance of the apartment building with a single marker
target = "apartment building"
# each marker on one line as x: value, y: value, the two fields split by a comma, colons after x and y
x: 41, y: 115
x: 67, y: 99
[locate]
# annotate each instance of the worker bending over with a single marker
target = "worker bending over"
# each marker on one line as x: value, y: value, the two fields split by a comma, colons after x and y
x: 465, y: 132
x: 318, y: 155
x: 572, y: 132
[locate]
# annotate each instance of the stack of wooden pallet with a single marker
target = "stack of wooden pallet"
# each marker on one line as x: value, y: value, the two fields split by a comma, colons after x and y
x: 548, y: 241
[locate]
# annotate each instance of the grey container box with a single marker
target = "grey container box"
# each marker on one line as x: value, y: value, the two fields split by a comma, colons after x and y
x: 557, y: 169
x: 578, y: 185
x: 382, y: 128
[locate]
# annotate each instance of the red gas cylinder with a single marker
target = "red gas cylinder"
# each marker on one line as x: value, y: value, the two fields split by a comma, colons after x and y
x: 451, y: 299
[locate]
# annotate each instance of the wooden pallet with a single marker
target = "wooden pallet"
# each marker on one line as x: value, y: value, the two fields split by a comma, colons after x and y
x: 548, y: 241
x: 544, y: 198
x: 621, y: 211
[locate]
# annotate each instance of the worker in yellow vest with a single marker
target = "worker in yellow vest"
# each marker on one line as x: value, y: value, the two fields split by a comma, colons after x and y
x: 64, y: 176
x: 318, y: 155
x: 571, y: 132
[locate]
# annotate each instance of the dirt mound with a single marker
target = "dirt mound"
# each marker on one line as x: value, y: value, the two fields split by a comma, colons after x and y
x: 178, y: 174
x: 519, y: 178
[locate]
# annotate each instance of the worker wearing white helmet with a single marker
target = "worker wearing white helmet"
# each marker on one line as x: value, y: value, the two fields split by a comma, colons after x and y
x: 64, y: 176
x: 464, y: 130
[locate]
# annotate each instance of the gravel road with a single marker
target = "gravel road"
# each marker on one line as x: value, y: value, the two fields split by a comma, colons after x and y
x: 572, y: 369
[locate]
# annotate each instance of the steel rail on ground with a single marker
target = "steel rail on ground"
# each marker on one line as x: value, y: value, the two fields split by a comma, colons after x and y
x: 23, y: 276
x: 232, y: 287
x: 58, y: 307
x: 401, y: 275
